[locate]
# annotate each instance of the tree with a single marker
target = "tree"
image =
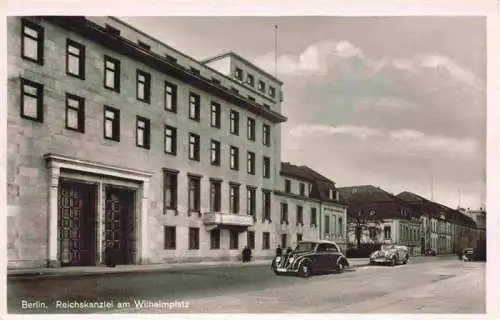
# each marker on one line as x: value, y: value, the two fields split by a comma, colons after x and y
x: 359, y: 224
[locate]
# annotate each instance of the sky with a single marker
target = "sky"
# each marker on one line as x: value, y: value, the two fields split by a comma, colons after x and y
x: 394, y: 102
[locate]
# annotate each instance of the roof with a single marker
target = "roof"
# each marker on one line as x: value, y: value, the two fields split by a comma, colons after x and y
x: 302, y: 172
x: 252, y: 65
x: 374, y: 203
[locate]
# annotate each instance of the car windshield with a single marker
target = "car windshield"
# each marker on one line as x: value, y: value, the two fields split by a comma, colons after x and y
x: 305, y: 246
x: 387, y: 247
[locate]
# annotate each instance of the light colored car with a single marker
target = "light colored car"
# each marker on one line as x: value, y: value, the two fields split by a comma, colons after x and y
x: 390, y: 254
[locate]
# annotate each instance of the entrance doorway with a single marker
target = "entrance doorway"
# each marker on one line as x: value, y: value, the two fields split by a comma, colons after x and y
x: 77, y: 223
x: 120, y: 224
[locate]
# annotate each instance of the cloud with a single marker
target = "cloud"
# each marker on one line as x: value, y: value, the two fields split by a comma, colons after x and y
x: 318, y: 58
x: 303, y: 131
x: 407, y: 142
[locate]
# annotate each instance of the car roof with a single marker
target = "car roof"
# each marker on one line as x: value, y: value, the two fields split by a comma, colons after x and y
x: 318, y: 241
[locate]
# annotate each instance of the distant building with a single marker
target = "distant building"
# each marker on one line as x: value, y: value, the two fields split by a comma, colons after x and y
x: 310, y: 207
x: 381, y: 218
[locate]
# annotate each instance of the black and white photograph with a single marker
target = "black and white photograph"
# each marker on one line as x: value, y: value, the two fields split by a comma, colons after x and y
x: 246, y: 164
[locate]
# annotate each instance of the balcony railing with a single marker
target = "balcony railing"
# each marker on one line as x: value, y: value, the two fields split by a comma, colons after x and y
x: 229, y: 219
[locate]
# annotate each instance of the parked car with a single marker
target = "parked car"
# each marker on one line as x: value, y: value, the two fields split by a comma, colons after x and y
x: 469, y: 254
x: 310, y: 257
x: 391, y: 255
x: 430, y: 252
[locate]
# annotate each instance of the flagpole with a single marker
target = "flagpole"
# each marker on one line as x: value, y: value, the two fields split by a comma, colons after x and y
x: 275, y: 50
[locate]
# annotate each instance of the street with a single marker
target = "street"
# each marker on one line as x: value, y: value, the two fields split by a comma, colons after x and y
x: 427, y: 285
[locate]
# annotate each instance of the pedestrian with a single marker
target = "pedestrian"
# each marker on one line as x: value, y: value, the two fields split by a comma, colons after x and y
x: 110, y: 255
x: 278, y: 251
x: 245, y: 254
x: 288, y: 250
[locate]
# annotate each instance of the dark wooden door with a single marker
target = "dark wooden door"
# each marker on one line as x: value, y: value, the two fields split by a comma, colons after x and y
x: 120, y: 224
x: 77, y: 230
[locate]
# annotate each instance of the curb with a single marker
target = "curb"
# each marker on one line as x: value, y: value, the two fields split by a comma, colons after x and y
x: 51, y: 275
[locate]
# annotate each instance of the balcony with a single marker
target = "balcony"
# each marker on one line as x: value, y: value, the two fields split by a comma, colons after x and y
x: 227, y: 220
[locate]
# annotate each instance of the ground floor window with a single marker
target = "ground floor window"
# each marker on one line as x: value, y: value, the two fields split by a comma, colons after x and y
x: 251, y: 239
x: 266, y: 241
x: 233, y: 240
x: 215, y: 239
x: 170, y: 236
x: 194, y: 238
x: 299, y: 237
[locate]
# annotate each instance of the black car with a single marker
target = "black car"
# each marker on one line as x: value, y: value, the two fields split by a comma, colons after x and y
x: 310, y: 257
x: 469, y: 254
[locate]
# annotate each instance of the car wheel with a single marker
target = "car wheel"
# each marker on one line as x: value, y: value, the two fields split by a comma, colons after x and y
x: 341, y: 267
x: 407, y: 258
x: 276, y: 272
x: 305, y: 270
x: 372, y: 262
x: 393, y: 261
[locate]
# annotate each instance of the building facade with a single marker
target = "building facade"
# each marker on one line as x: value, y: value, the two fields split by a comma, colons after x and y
x: 313, y: 198
x: 128, y: 143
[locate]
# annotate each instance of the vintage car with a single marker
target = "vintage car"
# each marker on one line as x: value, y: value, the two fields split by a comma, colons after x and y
x: 469, y: 254
x: 310, y: 257
x: 391, y: 255
x: 430, y: 252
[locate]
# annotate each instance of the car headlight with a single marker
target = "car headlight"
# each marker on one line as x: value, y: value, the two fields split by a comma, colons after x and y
x: 292, y: 259
x: 278, y: 259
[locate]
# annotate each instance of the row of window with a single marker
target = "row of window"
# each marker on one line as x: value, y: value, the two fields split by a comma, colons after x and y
x: 338, y: 225
x: 32, y: 49
x: 170, y: 195
x: 410, y: 234
x: 32, y: 108
x: 170, y: 239
x: 302, y: 187
x: 250, y: 80
x: 299, y: 215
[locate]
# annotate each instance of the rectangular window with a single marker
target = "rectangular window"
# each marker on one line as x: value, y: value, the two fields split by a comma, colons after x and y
x: 215, y: 115
x: 194, y: 107
x: 266, y: 167
x: 302, y: 189
x: 266, y: 241
x: 75, y: 113
x: 288, y: 186
x: 233, y: 240
x: 31, y: 100
x: 266, y: 135
x: 284, y: 213
x: 341, y: 227
x: 283, y: 240
x: 313, y: 217
x: 111, y: 74
x: 170, y: 140
x: 234, y: 122
x: 299, y: 237
x: 251, y: 163
x: 111, y: 123
x: 194, y: 238
x: 75, y: 59
x: 215, y: 239
x: 144, y: 45
x: 215, y: 153
x: 215, y: 196
x: 170, y: 190
x: 261, y: 86
x: 194, y: 194
x: 327, y: 224
x: 251, y: 239
x: 238, y: 74
x: 170, y: 59
x: 387, y: 232
x: 266, y: 203
x: 169, y: 238
x: 251, y: 129
x: 251, y: 98
x: 300, y: 216
x: 194, y: 147
x: 170, y: 97
x: 250, y: 80
x: 143, y: 129
x: 251, y: 200
x: 194, y: 70
x: 234, y: 158
x: 267, y: 106
x: 234, y: 198
x: 272, y: 91
x: 143, y: 86
x: 32, y: 41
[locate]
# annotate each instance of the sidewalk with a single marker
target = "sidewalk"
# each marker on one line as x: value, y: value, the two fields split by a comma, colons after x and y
x: 38, y: 273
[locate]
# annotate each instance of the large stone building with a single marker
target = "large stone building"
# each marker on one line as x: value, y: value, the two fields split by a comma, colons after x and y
x: 116, y: 139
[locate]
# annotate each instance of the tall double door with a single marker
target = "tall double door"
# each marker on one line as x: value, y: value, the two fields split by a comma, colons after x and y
x: 79, y: 225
